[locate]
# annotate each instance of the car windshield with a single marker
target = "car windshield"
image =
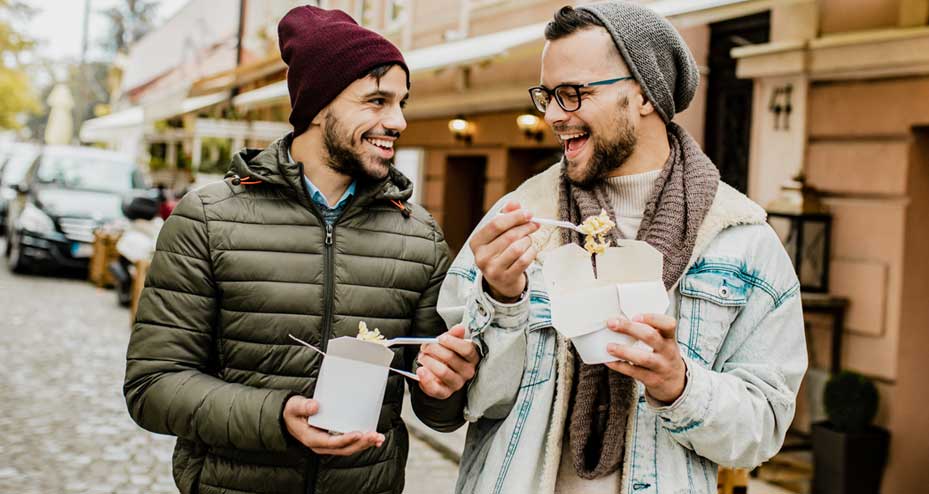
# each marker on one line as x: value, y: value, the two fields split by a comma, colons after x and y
x: 87, y: 172
x: 16, y: 167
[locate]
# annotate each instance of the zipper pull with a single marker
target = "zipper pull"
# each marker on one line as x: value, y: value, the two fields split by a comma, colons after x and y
x: 328, y: 234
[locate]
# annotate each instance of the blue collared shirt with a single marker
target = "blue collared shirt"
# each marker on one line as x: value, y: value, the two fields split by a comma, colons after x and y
x: 330, y: 214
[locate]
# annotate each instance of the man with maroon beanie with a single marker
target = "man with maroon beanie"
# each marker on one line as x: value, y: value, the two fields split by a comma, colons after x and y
x: 310, y: 237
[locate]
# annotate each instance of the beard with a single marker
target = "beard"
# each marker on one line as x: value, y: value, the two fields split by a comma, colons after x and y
x: 344, y: 157
x: 608, y: 154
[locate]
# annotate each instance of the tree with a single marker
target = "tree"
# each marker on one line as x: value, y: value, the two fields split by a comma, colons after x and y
x: 16, y: 96
x: 129, y: 22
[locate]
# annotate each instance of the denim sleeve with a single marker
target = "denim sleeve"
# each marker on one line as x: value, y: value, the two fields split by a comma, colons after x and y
x: 500, y: 331
x: 737, y: 413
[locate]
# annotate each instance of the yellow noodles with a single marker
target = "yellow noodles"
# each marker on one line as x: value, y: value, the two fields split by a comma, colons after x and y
x: 595, y: 228
x: 365, y: 335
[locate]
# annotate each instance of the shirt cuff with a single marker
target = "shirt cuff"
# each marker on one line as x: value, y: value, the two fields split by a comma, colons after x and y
x: 690, y: 409
x: 484, y: 311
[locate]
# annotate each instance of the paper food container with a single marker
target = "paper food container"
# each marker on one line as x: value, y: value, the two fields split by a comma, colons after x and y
x: 351, y: 384
x: 628, y: 283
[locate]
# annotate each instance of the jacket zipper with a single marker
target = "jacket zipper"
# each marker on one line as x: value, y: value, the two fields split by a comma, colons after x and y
x: 312, y: 463
x: 329, y: 288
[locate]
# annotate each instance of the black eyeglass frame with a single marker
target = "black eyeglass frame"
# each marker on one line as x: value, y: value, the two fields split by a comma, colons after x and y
x: 553, y: 93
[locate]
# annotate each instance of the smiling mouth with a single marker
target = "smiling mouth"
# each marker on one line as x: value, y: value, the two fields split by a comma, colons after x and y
x: 573, y: 142
x: 380, y: 143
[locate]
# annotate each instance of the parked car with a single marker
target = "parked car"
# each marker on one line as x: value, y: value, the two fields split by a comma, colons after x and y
x: 15, y: 162
x: 67, y: 192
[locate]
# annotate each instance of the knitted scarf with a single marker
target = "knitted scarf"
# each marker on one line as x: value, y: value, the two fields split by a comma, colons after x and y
x: 601, y: 398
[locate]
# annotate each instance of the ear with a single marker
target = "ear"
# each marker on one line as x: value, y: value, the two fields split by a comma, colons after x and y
x: 645, y: 106
x: 320, y: 117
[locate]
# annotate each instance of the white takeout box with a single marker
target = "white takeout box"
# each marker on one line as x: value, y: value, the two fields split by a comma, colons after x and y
x: 628, y: 283
x: 351, y: 384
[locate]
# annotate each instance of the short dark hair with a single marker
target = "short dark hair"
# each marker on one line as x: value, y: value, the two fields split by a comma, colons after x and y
x: 569, y: 20
x: 381, y: 70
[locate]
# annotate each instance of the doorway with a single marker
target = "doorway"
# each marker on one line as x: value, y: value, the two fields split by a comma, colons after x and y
x: 729, y: 99
x: 465, y: 179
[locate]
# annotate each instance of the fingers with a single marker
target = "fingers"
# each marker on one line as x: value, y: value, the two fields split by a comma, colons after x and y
x: 663, y: 323
x: 635, y: 372
x: 647, y: 334
x: 445, y: 374
x: 463, y: 348
x: 511, y: 244
x: 638, y: 356
x: 498, y: 226
x: 431, y: 385
x: 457, y: 363
x: 344, y: 444
x: 521, y: 264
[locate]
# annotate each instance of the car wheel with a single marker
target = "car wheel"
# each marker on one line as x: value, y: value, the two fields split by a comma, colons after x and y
x: 16, y: 260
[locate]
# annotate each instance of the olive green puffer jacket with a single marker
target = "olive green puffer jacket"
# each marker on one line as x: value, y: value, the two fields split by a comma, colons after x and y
x: 237, y: 269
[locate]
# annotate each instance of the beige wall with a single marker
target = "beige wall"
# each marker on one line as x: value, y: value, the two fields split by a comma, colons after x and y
x: 839, y: 16
x: 867, y: 153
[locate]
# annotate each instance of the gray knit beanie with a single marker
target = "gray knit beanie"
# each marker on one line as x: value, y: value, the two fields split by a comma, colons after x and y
x: 655, y: 53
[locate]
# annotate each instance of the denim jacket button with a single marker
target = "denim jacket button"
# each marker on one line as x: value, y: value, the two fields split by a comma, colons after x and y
x: 724, y: 291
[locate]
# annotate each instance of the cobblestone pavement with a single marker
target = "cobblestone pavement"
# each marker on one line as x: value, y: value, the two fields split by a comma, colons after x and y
x: 63, y: 422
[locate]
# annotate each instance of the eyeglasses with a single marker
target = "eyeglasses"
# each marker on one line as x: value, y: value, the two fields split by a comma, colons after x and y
x: 568, y: 96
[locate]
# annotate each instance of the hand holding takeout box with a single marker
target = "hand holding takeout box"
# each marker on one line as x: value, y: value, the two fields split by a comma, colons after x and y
x: 628, y: 282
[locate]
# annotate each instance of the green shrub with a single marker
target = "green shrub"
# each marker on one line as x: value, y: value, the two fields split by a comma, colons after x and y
x: 851, y: 401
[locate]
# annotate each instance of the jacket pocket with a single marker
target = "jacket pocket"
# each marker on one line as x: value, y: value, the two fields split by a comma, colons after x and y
x: 711, y: 299
x: 540, y: 358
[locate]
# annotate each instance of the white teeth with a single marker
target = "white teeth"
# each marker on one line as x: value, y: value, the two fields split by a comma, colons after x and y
x: 381, y: 143
x: 568, y: 137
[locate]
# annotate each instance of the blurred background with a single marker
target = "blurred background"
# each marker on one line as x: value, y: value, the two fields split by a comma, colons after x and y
x: 110, y: 110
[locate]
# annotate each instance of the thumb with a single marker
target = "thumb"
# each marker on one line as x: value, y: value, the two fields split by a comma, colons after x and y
x: 510, y: 207
x: 311, y: 407
x: 458, y: 331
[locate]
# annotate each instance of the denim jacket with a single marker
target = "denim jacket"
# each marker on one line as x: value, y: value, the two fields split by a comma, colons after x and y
x: 740, y: 331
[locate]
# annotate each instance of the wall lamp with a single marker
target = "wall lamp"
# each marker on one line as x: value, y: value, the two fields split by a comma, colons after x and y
x: 531, y: 125
x: 462, y: 129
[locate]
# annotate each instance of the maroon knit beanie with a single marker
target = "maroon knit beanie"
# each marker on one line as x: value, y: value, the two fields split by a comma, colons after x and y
x: 325, y: 51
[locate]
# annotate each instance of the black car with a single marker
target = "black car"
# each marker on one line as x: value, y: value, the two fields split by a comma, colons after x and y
x: 16, y: 161
x: 67, y: 193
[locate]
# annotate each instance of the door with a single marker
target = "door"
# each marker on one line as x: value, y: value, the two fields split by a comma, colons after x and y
x: 729, y: 99
x: 465, y: 177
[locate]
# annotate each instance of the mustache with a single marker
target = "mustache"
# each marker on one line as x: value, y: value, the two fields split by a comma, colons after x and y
x: 382, y: 133
x: 564, y: 129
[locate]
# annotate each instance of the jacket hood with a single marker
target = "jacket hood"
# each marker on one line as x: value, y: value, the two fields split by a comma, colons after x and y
x: 272, y: 166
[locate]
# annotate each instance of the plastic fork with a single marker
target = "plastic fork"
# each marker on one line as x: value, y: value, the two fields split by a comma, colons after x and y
x: 558, y: 223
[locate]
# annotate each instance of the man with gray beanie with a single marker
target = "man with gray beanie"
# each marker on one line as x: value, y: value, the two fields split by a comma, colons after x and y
x: 310, y: 237
x: 716, y: 380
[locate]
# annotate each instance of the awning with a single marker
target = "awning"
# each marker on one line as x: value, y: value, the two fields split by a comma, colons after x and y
x: 454, y: 53
x: 481, y: 48
x: 109, y: 127
x: 161, y: 109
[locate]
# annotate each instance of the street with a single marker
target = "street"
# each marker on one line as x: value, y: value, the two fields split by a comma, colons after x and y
x: 63, y: 422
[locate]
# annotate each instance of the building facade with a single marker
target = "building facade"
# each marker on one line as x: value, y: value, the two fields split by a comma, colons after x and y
x: 835, y: 89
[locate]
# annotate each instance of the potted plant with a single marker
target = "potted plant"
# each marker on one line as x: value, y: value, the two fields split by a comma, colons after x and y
x: 849, y: 452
